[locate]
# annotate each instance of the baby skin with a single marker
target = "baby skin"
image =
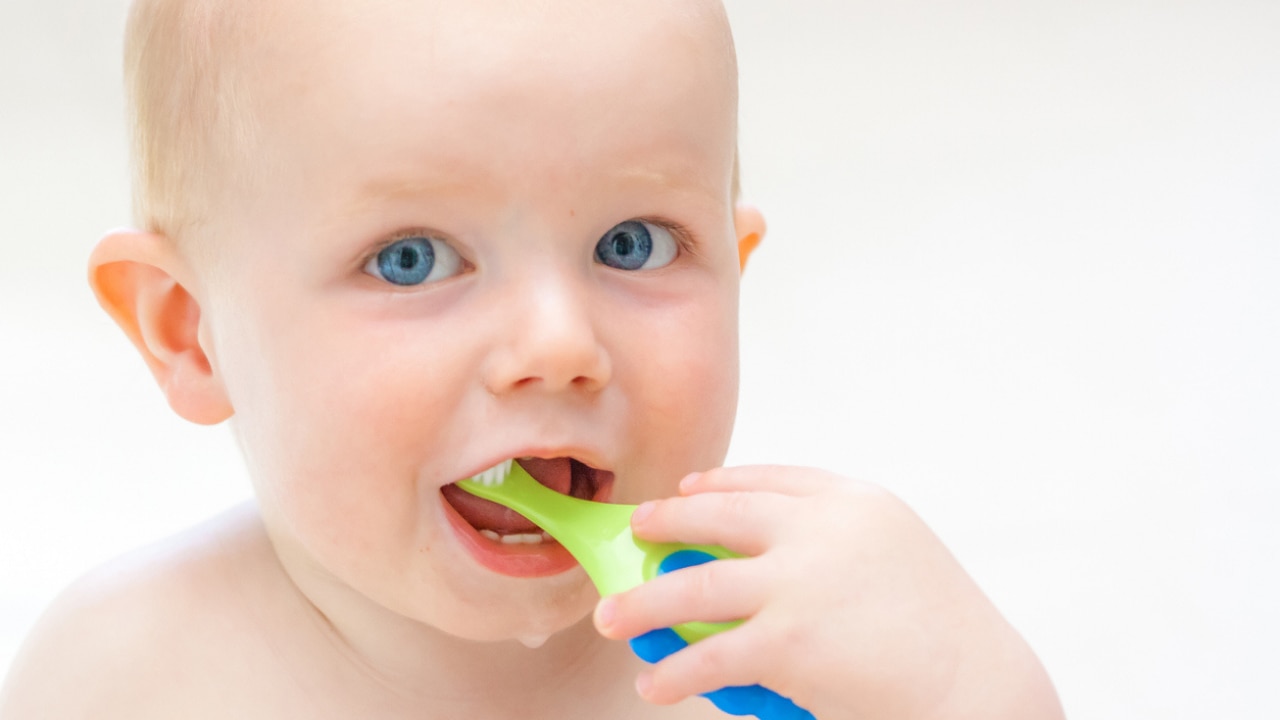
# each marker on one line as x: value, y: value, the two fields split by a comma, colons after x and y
x: 468, y: 231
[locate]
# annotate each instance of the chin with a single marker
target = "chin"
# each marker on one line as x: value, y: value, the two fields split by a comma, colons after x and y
x: 523, y: 614
x: 531, y: 629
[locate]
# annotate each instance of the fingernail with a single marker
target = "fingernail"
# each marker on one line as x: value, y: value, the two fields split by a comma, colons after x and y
x: 644, y: 683
x: 687, y: 483
x: 642, y: 512
x: 605, y: 612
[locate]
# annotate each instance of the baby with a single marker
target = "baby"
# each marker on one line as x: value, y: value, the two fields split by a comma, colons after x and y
x: 402, y: 241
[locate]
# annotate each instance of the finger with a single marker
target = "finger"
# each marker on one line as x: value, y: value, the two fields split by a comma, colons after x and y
x: 730, y: 658
x: 781, y: 479
x: 743, y: 522
x: 717, y: 591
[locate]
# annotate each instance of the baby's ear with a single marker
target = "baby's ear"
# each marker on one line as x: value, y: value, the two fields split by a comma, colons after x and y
x: 748, y: 223
x: 138, y: 279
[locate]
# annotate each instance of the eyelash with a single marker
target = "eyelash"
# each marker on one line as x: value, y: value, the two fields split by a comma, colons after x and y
x: 399, y: 235
x: 683, y: 237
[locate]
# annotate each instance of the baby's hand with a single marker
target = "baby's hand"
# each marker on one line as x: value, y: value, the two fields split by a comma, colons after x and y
x: 855, y: 609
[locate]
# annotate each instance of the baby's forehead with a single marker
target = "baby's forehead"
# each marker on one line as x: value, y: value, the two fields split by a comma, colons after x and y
x: 567, y: 77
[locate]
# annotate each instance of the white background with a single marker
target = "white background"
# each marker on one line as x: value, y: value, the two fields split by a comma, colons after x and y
x: 1022, y: 269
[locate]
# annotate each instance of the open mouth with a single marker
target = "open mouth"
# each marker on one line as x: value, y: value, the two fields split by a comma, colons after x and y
x: 502, y: 525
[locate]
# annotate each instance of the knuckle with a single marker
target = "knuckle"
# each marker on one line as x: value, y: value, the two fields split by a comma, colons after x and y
x: 788, y: 634
x: 699, y: 585
x: 705, y: 660
x: 780, y: 633
x: 707, y: 580
x: 737, y: 506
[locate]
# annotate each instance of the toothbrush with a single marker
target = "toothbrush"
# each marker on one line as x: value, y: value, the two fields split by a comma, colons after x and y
x: 598, y: 535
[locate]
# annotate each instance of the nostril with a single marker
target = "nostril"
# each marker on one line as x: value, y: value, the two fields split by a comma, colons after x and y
x: 588, y: 383
x: 583, y: 369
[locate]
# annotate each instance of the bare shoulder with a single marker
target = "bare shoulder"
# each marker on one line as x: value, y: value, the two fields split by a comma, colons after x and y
x: 136, y: 637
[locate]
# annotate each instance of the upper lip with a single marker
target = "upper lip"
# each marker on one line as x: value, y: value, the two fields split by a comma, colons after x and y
x: 585, y: 456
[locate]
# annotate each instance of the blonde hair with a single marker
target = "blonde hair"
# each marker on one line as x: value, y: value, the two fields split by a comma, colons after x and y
x: 191, y: 112
x: 191, y: 117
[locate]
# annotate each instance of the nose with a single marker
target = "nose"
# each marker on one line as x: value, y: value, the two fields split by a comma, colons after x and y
x: 550, y: 341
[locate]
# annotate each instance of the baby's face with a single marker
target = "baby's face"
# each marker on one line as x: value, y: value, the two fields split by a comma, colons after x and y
x: 487, y: 230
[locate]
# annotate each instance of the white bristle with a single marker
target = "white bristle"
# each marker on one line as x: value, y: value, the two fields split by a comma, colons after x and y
x: 495, y: 475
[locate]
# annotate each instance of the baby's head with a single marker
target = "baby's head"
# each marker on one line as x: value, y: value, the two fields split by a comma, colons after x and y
x: 402, y: 241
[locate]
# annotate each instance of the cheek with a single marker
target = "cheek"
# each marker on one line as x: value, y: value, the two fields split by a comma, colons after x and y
x: 682, y: 367
x: 338, y: 418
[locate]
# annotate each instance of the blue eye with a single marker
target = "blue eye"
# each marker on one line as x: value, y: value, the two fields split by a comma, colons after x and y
x: 414, y: 260
x: 636, y: 245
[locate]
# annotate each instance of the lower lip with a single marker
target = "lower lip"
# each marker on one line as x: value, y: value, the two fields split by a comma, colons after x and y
x: 523, y: 561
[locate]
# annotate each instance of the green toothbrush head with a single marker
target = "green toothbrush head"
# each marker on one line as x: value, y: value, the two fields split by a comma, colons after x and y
x: 598, y: 535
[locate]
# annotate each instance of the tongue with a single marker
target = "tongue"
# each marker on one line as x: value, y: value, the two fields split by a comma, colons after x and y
x: 485, y: 515
x: 556, y: 473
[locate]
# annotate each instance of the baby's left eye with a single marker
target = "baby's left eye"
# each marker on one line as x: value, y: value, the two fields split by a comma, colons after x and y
x: 636, y: 245
x: 414, y: 261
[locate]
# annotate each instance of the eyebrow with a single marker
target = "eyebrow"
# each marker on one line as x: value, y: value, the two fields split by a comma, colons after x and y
x: 374, y: 191
x: 678, y: 174
x: 669, y: 177
x: 406, y: 188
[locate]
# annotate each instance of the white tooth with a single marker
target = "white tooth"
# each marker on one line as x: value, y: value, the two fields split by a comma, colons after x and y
x: 522, y: 539
x: 491, y: 535
x: 546, y: 536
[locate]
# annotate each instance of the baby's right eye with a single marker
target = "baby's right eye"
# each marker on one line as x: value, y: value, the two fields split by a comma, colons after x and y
x: 415, y: 260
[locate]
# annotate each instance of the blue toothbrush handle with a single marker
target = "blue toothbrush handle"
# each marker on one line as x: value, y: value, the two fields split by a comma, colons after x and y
x: 756, y: 700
